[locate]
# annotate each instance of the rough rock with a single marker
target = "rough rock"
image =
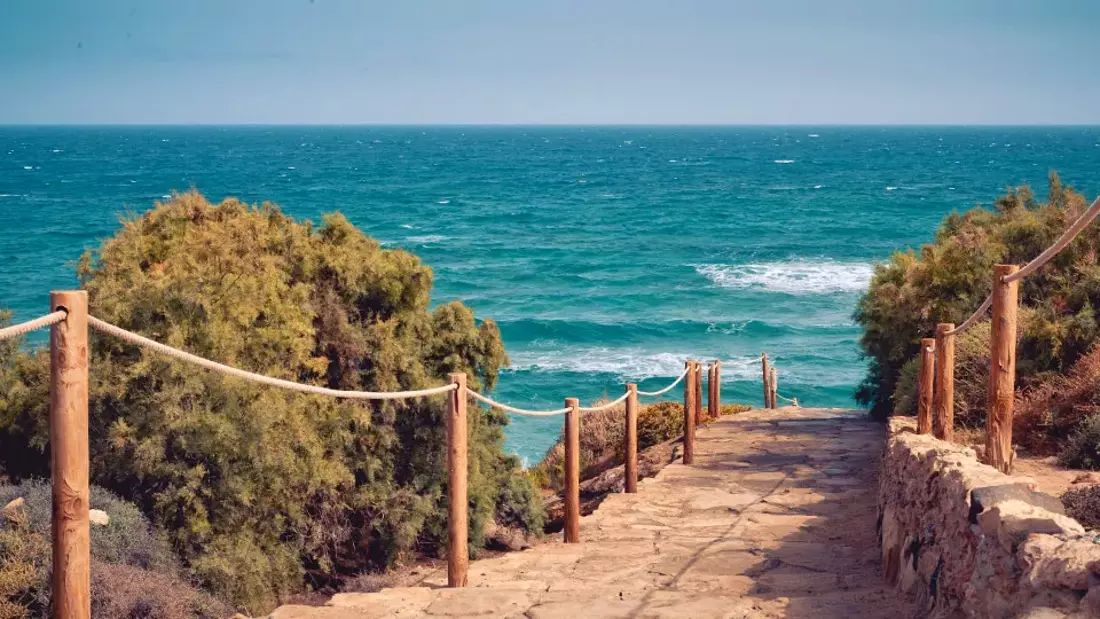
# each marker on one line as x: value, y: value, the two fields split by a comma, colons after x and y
x: 1049, y: 561
x: 12, y: 505
x: 1012, y: 521
x: 982, y: 499
x: 971, y: 541
x: 99, y: 517
x: 1088, y: 478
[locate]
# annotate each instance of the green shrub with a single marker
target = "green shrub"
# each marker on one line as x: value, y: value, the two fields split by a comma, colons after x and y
x: 1082, y: 450
x: 257, y: 487
x: 948, y: 279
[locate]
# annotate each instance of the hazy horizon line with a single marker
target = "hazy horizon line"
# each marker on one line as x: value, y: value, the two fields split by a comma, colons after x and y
x: 578, y: 125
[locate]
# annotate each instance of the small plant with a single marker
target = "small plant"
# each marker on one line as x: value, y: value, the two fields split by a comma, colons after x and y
x: 1083, y: 505
x: 1082, y: 450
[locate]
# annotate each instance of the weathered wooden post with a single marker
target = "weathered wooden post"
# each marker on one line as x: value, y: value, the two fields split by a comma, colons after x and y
x: 572, y: 471
x: 458, y: 557
x: 767, y: 381
x: 925, y: 383
x: 1002, y: 369
x: 630, y: 478
x: 689, y: 413
x: 699, y: 394
x: 714, y: 402
x: 775, y: 388
x: 69, y: 456
x: 943, y: 402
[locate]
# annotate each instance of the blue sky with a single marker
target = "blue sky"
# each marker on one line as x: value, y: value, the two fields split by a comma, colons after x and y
x: 566, y: 61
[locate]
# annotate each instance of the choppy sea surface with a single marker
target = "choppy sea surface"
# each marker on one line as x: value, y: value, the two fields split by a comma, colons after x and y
x: 606, y: 254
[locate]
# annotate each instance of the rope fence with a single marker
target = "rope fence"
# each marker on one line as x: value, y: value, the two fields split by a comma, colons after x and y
x: 666, y: 389
x: 936, y: 383
x: 512, y: 409
x: 69, y: 405
x: 175, y: 353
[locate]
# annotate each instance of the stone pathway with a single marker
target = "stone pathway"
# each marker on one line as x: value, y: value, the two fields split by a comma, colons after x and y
x: 777, y: 518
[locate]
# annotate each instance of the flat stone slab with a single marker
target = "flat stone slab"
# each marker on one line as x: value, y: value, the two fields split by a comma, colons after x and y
x: 776, y: 518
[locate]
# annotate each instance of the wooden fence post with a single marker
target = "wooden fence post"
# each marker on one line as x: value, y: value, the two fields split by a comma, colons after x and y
x: 943, y: 403
x: 925, y: 383
x: 1002, y: 369
x: 767, y: 381
x: 572, y: 472
x: 699, y: 394
x: 458, y: 557
x: 714, y: 404
x: 69, y: 456
x: 630, y: 479
x: 775, y: 388
x: 689, y: 413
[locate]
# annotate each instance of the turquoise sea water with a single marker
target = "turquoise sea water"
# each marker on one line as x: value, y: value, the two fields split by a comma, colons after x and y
x: 605, y: 253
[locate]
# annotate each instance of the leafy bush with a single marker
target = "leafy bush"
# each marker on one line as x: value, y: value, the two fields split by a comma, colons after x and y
x: 949, y: 278
x: 259, y: 487
x: 1082, y: 503
x: 1082, y: 450
x: 134, y: 573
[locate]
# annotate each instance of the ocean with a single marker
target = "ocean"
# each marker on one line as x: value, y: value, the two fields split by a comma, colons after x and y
x: 606, y: 254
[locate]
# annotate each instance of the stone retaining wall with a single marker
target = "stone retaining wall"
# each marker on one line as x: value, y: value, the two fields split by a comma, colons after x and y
x: 969, y: 541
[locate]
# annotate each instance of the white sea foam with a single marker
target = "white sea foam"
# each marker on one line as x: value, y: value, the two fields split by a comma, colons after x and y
x: 27, y: 167
x: 813, y: 135
x: 428, y: 238
x: 784, y: 161
x: 891, y: 188
x: 818, y: 186
x: 796, y: 277
x: 407, y: 226
x: 634, y: 364
x: 444, y: 201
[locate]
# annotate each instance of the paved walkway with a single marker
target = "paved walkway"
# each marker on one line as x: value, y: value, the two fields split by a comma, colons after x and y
x: 775, y: 519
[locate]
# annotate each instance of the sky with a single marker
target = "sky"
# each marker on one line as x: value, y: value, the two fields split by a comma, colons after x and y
x: 542, y: 62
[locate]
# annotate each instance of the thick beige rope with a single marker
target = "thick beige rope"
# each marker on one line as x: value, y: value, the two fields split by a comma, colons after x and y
x: 1063, y: 241
x: 603, y: 407
x: 24, y: 328
x: 512, y: 409
x: 978, y: 313
x: 666, y: 389
x: 138, y: 340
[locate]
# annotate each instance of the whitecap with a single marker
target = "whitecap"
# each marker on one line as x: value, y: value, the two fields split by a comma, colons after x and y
x: 166, y: 196
x: 628, y: 363
x: 56, y: 150
x: 27, y: 167
x: 672, y: 161
x: 888, y: 188
x: 582, y: 181
x: 813, y: 135
x: 407, y: 226
x: 444, y: 201
x: 784, y: 161
x: 290, y: 167
x: 818, y: 186
x: 794, y: 277
x: 429, y: 238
